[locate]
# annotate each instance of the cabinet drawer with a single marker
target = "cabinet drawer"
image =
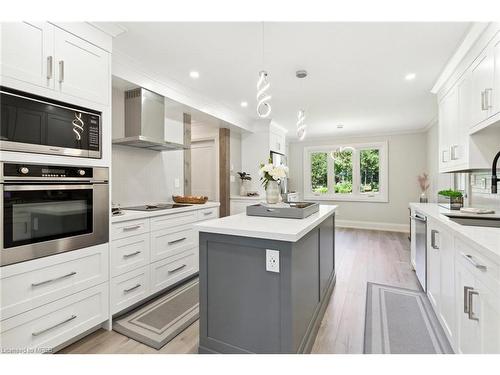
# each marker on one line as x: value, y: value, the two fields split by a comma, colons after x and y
x: 129, y: 253
x: 171, y: 270
x: 173, y: 220
x: 31, y: 284
x: 208, y: 213
x: 479, y: 265
x: 129, y: 288
x: 129, y: 228
x: 168, y: 242
x: 55, y: 323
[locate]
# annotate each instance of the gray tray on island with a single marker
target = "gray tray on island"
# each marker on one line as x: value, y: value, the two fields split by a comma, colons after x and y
x: 293, y: 210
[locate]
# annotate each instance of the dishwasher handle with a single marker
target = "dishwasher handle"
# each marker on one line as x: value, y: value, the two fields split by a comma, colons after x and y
x: 418, y: 217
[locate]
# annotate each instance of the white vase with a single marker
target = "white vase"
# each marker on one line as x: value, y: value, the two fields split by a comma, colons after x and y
x: 243, y: 190
x: 272, y: 192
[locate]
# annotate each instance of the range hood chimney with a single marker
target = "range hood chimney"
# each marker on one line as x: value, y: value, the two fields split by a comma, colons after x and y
x: 145, y: 122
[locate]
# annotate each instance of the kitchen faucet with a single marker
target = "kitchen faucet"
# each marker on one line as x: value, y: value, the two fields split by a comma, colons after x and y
x: 494, y: 178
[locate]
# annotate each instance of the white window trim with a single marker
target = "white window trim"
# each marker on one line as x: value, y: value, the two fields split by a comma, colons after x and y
x: 383, y: 194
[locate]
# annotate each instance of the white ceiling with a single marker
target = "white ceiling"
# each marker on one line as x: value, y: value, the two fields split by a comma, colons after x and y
x: 356, y: 70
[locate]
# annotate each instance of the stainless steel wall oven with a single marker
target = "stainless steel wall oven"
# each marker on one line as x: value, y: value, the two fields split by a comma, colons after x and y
x: 49, y: 209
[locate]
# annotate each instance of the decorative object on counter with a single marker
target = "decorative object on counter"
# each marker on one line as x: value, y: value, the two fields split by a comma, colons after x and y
x: 190, y: 199
x: 270, y: 178
x: 451, y: 199
x: 252, y: 194
x: 423, y: 183
x: 294, y: 210
x: 243, y: 178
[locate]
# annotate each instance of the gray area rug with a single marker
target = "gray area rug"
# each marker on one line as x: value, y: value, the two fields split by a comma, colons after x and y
x: 159, y: 321
x: 401, y: 321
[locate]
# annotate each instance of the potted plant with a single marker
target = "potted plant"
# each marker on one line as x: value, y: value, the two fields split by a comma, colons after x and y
x: 451, y: 199
x: 270, y: 177
x: 423, y: 182
x: 244, y: 177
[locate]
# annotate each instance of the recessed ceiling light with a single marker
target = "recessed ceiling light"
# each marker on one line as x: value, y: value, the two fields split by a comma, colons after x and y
x: 194, y: 74
x: 410, y: 76
x: 340, y: 126
x: 244, y: 104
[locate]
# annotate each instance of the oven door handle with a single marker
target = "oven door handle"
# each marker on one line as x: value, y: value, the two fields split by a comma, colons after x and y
x: 46, y: 187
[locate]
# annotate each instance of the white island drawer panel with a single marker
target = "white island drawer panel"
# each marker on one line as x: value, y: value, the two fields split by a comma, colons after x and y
x: 481, y: 266
x: 168, y: 242
x: 129, y: 288
x: 208, y: 213
x: 129, y: 253
x: 171, y: 270
x: 57, y: 322
x: 129, y: 228
x: 172, y: 220
x: 30, y: 284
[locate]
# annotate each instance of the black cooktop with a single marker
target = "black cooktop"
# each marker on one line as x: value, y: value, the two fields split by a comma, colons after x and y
x: 156, y: 207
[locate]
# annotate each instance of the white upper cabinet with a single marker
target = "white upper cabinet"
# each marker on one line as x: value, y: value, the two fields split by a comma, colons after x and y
x: 82, y: 69
x: 44, y: 55
x: 496, y: 83
x: 28, y: 52
x: 448, y: 124
x: 482, y: 87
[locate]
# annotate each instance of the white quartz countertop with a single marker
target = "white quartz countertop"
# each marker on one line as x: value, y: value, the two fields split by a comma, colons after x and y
x: 132, y: 215
x: 483, y: 238
x: 271, y: 228
x: 247, y: 198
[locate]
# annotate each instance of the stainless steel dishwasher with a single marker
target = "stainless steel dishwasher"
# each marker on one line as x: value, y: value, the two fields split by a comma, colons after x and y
x: 420, y: 238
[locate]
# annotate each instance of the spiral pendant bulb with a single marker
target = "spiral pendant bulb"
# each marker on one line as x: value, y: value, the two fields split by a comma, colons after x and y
x: 301, y: 126
x: 263, y: 106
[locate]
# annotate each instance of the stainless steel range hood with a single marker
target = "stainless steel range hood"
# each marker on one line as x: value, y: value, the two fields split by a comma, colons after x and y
x: 145, y: 122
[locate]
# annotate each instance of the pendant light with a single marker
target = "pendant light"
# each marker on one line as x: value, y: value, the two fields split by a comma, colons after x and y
x: 263, y: 97
x: 301, y: 115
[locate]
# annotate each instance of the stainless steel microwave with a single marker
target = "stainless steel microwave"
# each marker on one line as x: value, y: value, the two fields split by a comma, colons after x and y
x: 30, y: 123
x: 47, y: 210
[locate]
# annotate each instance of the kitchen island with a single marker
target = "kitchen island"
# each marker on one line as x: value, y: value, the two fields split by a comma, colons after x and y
x: 250, y: 304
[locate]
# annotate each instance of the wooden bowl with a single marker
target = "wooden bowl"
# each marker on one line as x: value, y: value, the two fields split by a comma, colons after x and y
x: 189, y: 199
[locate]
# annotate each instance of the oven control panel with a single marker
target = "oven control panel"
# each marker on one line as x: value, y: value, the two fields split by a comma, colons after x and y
x: 48, y: 171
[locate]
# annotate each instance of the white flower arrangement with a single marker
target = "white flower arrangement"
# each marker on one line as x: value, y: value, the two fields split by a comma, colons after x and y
x: 269, y: 172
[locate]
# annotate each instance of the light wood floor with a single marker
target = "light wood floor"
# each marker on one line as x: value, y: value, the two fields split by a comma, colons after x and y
x: 361, y: 256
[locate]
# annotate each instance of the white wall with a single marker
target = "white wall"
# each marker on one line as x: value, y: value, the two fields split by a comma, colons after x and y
x: 142, y: 176
x: 407, y: 159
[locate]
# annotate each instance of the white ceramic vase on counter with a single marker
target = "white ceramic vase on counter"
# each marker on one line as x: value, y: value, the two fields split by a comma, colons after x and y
x: 272, y: 192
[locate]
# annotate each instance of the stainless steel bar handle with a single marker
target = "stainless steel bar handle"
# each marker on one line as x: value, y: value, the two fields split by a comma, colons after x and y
x: 466, y: 298
x: 46, y: 187
x: 471, y: 314
x: 131, y: 254
x: 471, y: 260
x: 38, y: 333
x: 482, y: 101
x: 61, y: 71
x: 454, y: 152
x: 131, y: 289
x: 177, y: 269
x: 132, y: 227
x: 487, y: 98
x: 207, y: 213
x: 54, y: 279
x: 176, y: 241
x: 419, y: 218
x: 433, y: 239
x: 50, y: 67
x: 443, y: 156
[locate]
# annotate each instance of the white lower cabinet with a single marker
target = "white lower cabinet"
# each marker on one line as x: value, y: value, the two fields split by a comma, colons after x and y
x: 441, y: 276
x: 129, y: 288
x: 172, y: 270
x: 152, y: 254
x: 463, y: 287
x: 51, y: 325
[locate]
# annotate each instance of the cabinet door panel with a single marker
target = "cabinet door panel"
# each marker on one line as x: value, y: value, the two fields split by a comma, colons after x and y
x: 482, y: 84
x: 326, y: 253
x: 26, y: 47
x: 447, y: 283
x: 82, y: 69
x: 496, y: 84
x: 433, y: 265
x: 487, y: 306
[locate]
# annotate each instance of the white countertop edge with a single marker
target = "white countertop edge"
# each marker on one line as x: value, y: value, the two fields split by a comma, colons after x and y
x: 241, y: 225
x: 247, y: 198
x: 133, y: 215
x: 485, y: 239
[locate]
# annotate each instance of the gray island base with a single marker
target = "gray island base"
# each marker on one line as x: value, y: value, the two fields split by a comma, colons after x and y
x: 245, y: 308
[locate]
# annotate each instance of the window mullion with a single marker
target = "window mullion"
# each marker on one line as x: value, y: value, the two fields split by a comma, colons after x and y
x: 356, y: 172
x: 330, y: 175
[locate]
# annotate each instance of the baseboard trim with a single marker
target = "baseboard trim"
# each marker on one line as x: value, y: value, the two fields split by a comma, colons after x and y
x: 371, y: 225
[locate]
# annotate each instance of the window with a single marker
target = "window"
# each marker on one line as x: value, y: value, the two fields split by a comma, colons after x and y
x: 356, y: 172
